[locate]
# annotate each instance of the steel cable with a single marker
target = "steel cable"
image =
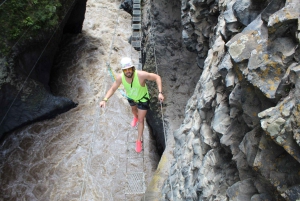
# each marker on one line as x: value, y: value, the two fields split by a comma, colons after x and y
x: 2, y: 3
x: 164, y: 130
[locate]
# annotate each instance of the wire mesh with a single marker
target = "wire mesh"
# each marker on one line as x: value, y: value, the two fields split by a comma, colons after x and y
x: 135, y: 183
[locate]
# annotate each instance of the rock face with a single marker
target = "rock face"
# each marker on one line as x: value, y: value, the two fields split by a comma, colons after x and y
x: 238, y: 89
x: 25, y: 94
x: 239, y: 139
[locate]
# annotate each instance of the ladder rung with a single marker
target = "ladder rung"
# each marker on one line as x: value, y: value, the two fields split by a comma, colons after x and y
x: 136, y: 43
x: 136, y: 1
x: 136, y: 34
x: 136, y: 12
x: 136, y: 38
x: 136, y: 26
x: 136, y: 6
x: 136, y: 19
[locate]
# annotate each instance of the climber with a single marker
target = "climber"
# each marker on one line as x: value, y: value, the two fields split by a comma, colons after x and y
x: 134, y: 82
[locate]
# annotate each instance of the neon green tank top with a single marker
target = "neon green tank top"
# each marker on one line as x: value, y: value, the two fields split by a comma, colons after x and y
x: 136, y: 92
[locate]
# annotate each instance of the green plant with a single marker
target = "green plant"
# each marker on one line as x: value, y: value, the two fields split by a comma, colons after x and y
x: 26, y: 19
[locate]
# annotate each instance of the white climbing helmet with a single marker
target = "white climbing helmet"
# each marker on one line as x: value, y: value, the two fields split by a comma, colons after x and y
x: 126, y: 62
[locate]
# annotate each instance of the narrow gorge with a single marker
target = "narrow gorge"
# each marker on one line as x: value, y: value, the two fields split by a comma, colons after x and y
x: 239, y: 136
x: 228, y: 129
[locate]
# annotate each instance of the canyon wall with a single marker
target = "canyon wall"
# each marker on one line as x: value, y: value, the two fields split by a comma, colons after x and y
x: 239, y: 139
x: 230, y: 71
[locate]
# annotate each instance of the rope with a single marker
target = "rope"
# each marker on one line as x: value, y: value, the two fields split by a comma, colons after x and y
x: 3, y: 2
x: 34, y: 64
x: 20, y: 38
x: 114, y: 79
x: 110, y: 52
x: 165, y: 136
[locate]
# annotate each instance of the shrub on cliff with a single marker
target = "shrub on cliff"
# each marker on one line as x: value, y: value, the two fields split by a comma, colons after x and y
x: 24, y: 19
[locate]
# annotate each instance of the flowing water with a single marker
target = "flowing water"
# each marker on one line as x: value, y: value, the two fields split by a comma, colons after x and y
x: 88, y: 152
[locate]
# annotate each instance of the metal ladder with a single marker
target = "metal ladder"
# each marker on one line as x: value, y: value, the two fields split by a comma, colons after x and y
x: 135, y: 161
x: 136, y: 38
x: 134, y: 167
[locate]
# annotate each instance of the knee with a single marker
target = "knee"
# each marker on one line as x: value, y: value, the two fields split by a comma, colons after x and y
x: 141, y: 120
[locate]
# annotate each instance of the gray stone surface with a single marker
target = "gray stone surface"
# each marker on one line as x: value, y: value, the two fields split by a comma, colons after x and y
x: 246, y: 104
x: 232, y: 108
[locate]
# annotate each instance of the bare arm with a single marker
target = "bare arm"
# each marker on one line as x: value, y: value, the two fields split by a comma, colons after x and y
x: 153, y: 77
x: 111, y: 91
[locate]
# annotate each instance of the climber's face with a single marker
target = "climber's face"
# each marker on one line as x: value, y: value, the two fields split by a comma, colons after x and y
x: 128, y: 72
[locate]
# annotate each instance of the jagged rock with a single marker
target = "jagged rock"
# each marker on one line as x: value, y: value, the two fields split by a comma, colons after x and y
x: 229, y: 14
x: 249, y: 145
x: 234, y: 101
x: 221, y: 119
x: 251, y: 38
x: 266, y: 66
x: 272, y: 7
x: 293, y: 193
x: 225, y: 66
x: 247, y: 97
x: 270, y: 66
x: 247, y: 10
x: 240, y: 136
x: 198, y: 19
x: 294, y: 76
x: 277, y: 122
x: 232, y: 136
x: 208, y: 136
x: 287, y: 83
x: 127, y: 6
x: 211, y: 174
x: 285, y: 19
x: 261, y: 197
x: 276, y: 165
x: 247, y: 103
x: 289, y: 12
x: 188, y: 35
x: 242, y: 190
x: 245, y: 171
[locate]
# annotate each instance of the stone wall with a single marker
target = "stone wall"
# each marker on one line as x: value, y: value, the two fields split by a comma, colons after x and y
x: 239, y: 139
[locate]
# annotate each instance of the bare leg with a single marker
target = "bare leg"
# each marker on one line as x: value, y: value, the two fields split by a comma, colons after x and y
x: 141, y: 117
x: 134, y: 111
